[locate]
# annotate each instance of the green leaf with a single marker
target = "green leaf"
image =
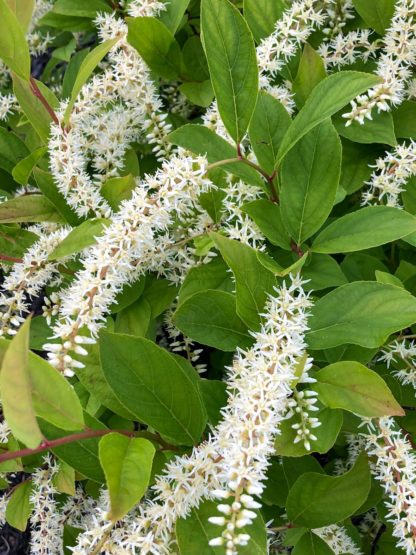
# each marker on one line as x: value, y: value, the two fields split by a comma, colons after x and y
x: 71, y: 72
x: 261, y: 16
x: 14, y: 241
x: 311, y: 71
x: 156, y: 45
x: 135, y: 318
x: 379, y: 129
x: 363, y: 313
x: 404, y: 117
x: 201, y: 140
x: 385, y: 277
x: 127, y: 464
x: 24, y: 11
x: 16, y: 390
x: 322, y: 271
x: 19, y: 507
x: 311, y: 544
x: 231, y: 56
x: 329, y: 96
x: 161, y: 392
x: 199, y: 93
x: 89, y: 63
x: 194, y: 533
x: 326, y: 434
x: 316, y: 500
x: 117, y: 189
x: 64, y: 479
x: 353, y: 387
x: 253, y: 281
x: 210, y: 318
x: 356, y: 162
x: 310, y: 177
x: 33, y: 108
x: 268, y: 126
x: 80, y: 238
x: 14, y: 50
x: 214, y: 394
x: 214, y: 275
x: 365, y: 228
x: 28, y: 208
x: 12, y: 150
x: 47, y: 185
x: 173, y: 14
x: 53, y: 398
x: 377, y: 15
x: 80, y: 8
x: 267, y: 216
x: 22, y: 170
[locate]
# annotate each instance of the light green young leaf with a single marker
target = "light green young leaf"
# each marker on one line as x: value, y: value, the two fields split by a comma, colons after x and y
x: 316, y: 500
x: 194, y: 533
x: 22, y: 170
x: 23, y: 10
x: 310, y: 177
x: 210, y: 318
x: 80, y: 238
x: 19, y: 506
x: 53, y: 398
x: 329, y: 96
x: 16, y: 390
x: 354, y: 387
x: 162, y: 392
x: 117, y: 189
x: 268, y: 125
x: 90, y: 62
x: 365, y: 228
x: 311, y: 71
x: 156, y: 45
x: 363, y: 313
x: 232, y: 63
x: 14, y: 49
x: 64, y: 479
x: 253, y: 280
x: 127, y: 464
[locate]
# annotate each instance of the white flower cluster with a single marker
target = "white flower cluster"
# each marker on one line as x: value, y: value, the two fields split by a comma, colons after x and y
x: 145, y: 8
x: 394, y: 65
x: 401, y: 353
x: 114, y: 109
x: 337, y: 538
x: 394, y: 465
x: 338, y: 13
x: 27, y: 278
x: 232, y: 463
x: 126, y: 250
x: 390, y: 176
x: 346, y: 49
x: 39, y: 42
x: 291, y: 30
x: 301, y: 404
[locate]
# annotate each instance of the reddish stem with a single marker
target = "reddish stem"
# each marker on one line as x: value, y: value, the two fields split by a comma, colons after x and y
x: 10, y: 258
x: 37, y: 92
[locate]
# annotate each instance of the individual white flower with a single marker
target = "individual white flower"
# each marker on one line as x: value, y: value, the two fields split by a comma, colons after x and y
x: 8, y: 105
x: 347, y: 49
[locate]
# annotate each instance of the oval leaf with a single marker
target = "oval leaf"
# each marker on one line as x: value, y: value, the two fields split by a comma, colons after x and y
x: 127, y: 464
x: 366, y: 228
x: 232, y: 63
x: 80, y: 238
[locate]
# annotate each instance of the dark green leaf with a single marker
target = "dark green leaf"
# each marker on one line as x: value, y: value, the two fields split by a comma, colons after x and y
x: 311, y: 544
x: 311, y: 71
x: 261, y: 15
x: 377, y: 15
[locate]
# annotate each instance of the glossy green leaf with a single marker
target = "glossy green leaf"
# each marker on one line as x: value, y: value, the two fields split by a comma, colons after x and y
x: 365, y: 228
x: 162, y: 393
x: 261, y: 16
x: 268, y: 125
x: 268, y: 217
x: 194, y: 533
x: 19, y: 507
x: 80, y: 238
x: 311, y: 544
x: 156, y: 45
x: 22, y: 170
x: 311, y: 71
x: 29, y: 208
x: 329, y: 96
x: 253, y: 280
x: 310, y: 176
x: 210, y: 318
x: 362, y: 313
x: 231, y: 56
x: 16, y: 390
x: 322, y: 271
x: 377, y: 15
x: 14, y: 49
x: 127, y: 464
x: 354, y: 387
x: 89, y: 63
x: 316, y: 500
